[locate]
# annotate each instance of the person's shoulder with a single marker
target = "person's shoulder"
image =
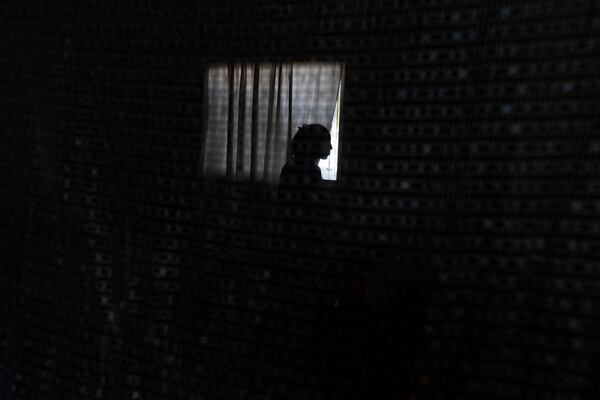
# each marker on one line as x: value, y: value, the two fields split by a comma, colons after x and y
x: 286, y: 171
x: 285, y: 168
x: 316, y: 174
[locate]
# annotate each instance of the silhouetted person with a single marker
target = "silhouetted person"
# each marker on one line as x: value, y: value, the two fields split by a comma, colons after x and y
x: 311, y: 144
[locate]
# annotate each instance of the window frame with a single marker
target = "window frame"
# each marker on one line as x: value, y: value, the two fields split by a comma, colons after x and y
x: 206, y: 110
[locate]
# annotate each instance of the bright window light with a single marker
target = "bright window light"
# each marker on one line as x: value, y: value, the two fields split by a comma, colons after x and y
x: 329, y: 165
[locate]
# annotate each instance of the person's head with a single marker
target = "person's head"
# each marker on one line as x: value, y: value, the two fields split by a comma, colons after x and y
x: 311, y: 142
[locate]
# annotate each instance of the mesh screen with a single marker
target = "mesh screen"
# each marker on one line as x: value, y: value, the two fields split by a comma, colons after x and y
x: 455, y: 257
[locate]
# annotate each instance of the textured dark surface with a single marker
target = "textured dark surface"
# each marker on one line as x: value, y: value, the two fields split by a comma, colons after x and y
x: 461, y: 242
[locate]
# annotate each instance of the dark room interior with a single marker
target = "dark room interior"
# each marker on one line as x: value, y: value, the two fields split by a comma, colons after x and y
x: 308, y: 199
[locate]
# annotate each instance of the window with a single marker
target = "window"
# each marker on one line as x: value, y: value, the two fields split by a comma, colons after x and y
x: 252, y: 111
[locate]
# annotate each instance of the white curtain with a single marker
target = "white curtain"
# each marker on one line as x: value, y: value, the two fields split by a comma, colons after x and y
x: 253, y: 110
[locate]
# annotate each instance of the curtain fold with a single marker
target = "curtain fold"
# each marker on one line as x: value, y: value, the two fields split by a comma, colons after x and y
x: 269, y: 132
x: 230, y: 122
x: 254, y: 110
x: 254, y: 133
x: 239, y: 161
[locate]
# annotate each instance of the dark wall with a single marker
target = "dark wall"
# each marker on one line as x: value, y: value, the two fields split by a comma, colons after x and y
x: 457, y: 257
